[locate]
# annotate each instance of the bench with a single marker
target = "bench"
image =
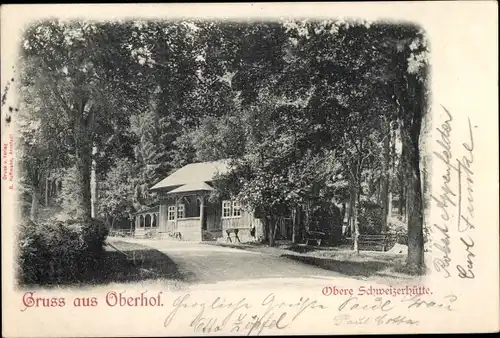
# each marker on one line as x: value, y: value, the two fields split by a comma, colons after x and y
x: 120, y: 233
x: 316, y: 236
x: 235, y: 232
x: 373, y: 242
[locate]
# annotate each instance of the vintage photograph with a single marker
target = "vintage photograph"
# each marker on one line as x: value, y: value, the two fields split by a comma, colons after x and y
x: 198, y: 151
x: 249, y: 169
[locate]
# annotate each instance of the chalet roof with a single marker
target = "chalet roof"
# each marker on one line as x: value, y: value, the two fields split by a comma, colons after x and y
x: 198, y: 186
x: 194, y: 173
x: 148, y: 210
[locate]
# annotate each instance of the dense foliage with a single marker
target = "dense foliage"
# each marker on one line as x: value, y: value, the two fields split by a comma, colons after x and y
x: 309, y: 113
x: 55, y: 252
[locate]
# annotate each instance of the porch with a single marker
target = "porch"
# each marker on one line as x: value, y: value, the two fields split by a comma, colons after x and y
x: 146, y: 223
x: 183, y: 212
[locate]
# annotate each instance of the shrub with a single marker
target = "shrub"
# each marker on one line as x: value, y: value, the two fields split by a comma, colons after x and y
x: 52, y: 252
x: 327, y: 218
x: 370, y: 219
x: 399, y: 230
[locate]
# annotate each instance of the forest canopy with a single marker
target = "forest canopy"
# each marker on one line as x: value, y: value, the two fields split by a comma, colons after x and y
x: 309, y: 113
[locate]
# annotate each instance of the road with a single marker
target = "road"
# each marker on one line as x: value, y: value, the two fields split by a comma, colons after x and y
x: 208, y: 264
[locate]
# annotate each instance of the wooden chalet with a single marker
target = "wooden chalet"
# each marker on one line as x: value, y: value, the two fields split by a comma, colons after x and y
x: 184, y: 210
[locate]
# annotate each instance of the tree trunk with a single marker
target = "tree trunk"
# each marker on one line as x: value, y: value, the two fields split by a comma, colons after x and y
x: 355, y: 232
x: 402, y: 202
x: 35, y: 203
x: 385, y: 176
x: 356, y: 216
x: 266, y: 227
x: 389, y: 205
x: 93, y: 185
x: 407, y: 200
x: 294, y: 225
x: 46, y: 191
x: 415, y: 206
x: 352, y: 202
x: 272, y: 227
x: 342, y: 212
x: 392, y: 171
x: 83, y: 164
x: 353, y: 209
x: 412, y: 112
x: 402, y: 178
x: 276, y: 225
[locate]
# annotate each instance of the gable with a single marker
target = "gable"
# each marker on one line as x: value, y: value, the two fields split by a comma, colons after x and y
x: 193, y: 173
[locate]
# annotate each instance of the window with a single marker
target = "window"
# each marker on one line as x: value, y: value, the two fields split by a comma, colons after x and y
x: 231, y: 209
x: 180, y: 211
x: 171, y: 212
x: 226, y: 208
x: 236, y: 209
x: 141, y: 221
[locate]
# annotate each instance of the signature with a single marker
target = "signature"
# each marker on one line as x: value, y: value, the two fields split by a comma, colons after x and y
x: 378, y: 320
x: 465, y: 166
x: 354, y: 303
x: 463, y: 272
x: 381, y: 311
x: 240, y: 316
x: 453, y: 198
x: 418, y: 302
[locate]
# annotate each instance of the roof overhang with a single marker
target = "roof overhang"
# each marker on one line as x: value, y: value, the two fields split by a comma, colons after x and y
x: 148, y: 210
x: 191, y: 187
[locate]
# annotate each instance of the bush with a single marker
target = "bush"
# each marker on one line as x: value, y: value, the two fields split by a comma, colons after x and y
x: 327, y: 218
x: 370, y: 219
x: 399, y: 230
x: 52, y: 252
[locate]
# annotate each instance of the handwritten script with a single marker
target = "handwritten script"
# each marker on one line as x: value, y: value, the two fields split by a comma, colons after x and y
x: 389, y: 311
x: 455, y: 196
x: 241, y: 316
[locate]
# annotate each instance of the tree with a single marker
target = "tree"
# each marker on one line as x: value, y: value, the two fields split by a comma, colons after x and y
x: 306, y: 109
x: 412, y: 71
x: 87, y: 69
x: 117, y: 195
x: 44, y: 141
x: 341, y: 89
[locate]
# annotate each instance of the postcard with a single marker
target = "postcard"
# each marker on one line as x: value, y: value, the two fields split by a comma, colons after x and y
x: 249, y: 169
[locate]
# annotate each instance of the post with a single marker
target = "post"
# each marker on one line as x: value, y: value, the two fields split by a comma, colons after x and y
x: 46, y: 191
x: 93, y: 184
x: 389, y: 205
x: 175, y: 212
x: 202, y: 209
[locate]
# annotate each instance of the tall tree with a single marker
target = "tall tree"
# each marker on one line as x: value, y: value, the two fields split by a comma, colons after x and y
x: 87, y: 69
x: 411, y: 71
x: 44, y: 141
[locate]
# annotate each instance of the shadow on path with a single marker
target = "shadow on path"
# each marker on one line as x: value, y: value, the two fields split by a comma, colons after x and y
x: 141, y: 263
x: 350, y: 268
x: 113, y: 266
